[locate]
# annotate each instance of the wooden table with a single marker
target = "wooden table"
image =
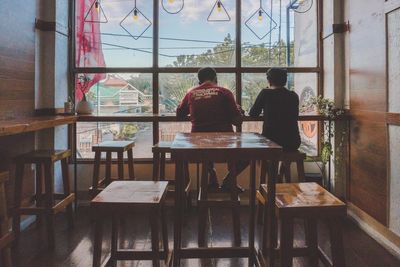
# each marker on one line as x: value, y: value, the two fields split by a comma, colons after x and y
x: 223, y: 147
x: 36, y: 123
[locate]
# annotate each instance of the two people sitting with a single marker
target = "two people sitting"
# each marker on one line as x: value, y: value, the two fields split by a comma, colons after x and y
x: 212, y: 108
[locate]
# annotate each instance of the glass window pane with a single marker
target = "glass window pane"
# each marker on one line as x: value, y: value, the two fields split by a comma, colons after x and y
x: 190, y: 39
x: 168, y: 130
x: 89, y: 134
x: 174, y: 86
x: 282, y: 28
x: 118, y: 93
x: 107, y: 35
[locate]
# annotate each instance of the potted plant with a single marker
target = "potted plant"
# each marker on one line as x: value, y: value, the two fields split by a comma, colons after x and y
x: 83, y: 106
x: 325, y: 107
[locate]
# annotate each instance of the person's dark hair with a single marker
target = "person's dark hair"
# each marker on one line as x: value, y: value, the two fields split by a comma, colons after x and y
x: 277, y: 76
x: 206, y: 74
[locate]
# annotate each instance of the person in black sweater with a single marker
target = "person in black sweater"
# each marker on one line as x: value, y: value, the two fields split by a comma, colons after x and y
x: 280, y: 109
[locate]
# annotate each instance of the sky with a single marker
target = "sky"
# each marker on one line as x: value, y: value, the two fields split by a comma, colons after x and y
x: 121, y: 50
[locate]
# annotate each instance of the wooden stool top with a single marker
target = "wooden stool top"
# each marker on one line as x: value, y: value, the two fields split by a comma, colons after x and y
x: 40, y: 156
x: 305, y: 198
x: 131, y: 194
x: 3, y: 177
x: 162, y: 146
x: 293, y: 156
x: 113, y: 146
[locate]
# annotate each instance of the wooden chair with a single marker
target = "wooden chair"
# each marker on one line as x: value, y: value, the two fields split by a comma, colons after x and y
x: 288, y: 157
x: 159, y: 156
x: 6, y: 236
x: 124, y: 197
x: 45, y: 201
x: 311, y: 202
x: 219, y: 199
x: 109, y: 147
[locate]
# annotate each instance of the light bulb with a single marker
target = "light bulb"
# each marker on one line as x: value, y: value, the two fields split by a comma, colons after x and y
x: 219, y: 8
x: 97, y: 6
x: 260, y: 17
x: 135, y: 15
x: 171, y: 1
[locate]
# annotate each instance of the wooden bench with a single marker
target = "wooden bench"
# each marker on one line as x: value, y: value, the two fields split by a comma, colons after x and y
x: 124, y: 197
x: 109, y: 147
x: 311, y: 202
x: 6, y: 236
x: 45, y: 201
x: 159, y: 157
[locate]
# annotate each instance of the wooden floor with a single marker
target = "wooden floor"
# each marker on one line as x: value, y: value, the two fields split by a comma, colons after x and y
x: 74, y: 247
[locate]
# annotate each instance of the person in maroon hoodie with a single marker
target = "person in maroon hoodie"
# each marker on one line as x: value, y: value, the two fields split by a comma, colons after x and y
x: 212, y: 108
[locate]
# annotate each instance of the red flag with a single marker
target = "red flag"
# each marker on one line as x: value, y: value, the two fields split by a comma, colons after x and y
x: 89, y: 52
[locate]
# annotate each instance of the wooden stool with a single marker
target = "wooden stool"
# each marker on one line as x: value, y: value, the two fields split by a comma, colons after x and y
x: 45, y: 202
x: 311, y: 202
x: 159, y: 155
x: 108, y: 147
x: 124, y: 197
x: 6, y: 237
x: 288, y: 157
x: 217, y: 199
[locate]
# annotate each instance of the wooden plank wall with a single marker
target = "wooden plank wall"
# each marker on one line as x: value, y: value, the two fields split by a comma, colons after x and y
x: 367, y: 77
x: 17, y: 78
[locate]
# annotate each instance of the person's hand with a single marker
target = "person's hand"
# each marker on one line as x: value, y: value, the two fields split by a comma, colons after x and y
x: 241, y: 110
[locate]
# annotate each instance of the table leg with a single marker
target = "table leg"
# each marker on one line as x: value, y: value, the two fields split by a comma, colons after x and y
x: 178, y: 211
x: 252, y: 189
x: 270, y: 216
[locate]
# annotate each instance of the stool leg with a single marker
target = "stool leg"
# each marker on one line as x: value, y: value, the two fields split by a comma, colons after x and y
x: 164, y: 231
x: 288, y: 175
x: 263, y: 177
x: 311, y: 230
x: 335, y: 232
x: 96, y: 171
x: 162, y: 167
x: 39, y: 191
x: 156, y: 166
x: 108, y: 168
x: 188, y: 202
x: 155, y: 237
x: 286, y: 253
x: 203, y: 210
x: 19, y: 173
x: 67, y: 191
x: 300, y: 170
x: 5, y: 255
x: 49, y: 191
x: 114, y: 240
x: 131, y: 164
x: 120, y: 165
x: 98, y: 239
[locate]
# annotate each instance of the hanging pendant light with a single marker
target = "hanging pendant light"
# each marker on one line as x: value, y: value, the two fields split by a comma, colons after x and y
x: 301, y: 6
x: 218, y: 13
x: 102, y: 18
x: 172, y: 6
x: 135, y: 23
x: 259, y: 21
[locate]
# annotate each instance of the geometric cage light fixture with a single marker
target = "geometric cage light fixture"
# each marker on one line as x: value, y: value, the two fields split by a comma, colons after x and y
x: 96, y: 8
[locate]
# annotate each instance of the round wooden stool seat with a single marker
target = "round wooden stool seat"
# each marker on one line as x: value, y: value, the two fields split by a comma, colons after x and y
x: 124, y: 197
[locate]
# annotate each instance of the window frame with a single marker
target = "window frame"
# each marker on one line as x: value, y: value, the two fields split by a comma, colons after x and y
x: 156, y: 70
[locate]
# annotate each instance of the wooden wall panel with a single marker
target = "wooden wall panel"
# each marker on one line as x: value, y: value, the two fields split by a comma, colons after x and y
x: 368, y: 104
x: 17, y: 80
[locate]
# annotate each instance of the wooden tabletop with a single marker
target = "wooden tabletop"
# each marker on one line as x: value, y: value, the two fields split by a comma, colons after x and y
x: 234, y: 145
x: 29, y: 124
